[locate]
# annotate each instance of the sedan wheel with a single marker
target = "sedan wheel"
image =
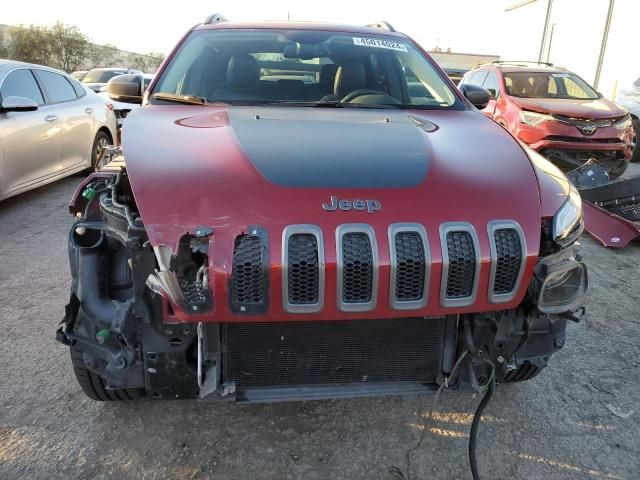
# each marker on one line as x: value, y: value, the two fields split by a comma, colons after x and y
x: 634, y: 141
x: 99, y: 144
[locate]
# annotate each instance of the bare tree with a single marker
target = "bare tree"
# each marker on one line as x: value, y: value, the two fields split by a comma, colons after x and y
x: 69, y: 46
x: 155, y: 59
x: 140, y: 62
x: 4, y: 48
x: 31, y: 44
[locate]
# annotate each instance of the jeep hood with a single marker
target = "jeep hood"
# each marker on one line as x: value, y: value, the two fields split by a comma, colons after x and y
x: 237, y: 167
x: 590, y: 109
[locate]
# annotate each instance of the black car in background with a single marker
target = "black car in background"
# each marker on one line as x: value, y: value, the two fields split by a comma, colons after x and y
x: 97, y: 78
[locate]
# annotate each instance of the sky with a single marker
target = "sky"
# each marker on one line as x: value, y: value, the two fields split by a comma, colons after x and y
x: 470, y: 26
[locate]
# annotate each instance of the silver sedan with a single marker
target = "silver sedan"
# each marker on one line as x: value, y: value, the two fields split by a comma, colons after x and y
x: 51, y: 126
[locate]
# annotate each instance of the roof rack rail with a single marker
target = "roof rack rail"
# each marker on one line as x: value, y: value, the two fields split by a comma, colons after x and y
x: 381, y: 24
x: 215, y: 18
x: 520, y: 62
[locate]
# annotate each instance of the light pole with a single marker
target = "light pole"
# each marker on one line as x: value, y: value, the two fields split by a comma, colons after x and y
x: 546, y: 21
x: 603, y: 45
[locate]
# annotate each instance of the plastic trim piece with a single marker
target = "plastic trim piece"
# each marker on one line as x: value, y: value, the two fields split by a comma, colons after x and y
x: 286, y: 234
x: 445, y: 228
x: 491, y: 228
x: 340, y: 232
x: 394, y: 229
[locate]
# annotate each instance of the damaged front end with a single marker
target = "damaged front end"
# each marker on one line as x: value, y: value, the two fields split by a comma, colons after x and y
x: 139, y: 321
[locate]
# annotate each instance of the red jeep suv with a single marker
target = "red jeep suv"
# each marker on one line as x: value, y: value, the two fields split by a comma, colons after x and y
x: 307, y: 210
x: 556, y: 113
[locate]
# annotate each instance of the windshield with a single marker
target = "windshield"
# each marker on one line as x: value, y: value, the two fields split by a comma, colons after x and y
x: 304, y: 66
x: 548, y: 85
x: 101, y: 76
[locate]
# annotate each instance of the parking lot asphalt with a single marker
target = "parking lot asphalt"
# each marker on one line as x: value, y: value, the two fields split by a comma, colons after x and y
x: 579, y: 419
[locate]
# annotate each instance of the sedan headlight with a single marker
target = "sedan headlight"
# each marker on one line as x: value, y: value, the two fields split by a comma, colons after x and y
x: 567, y: 222
x: 623, y: 123
x: 534, y: 119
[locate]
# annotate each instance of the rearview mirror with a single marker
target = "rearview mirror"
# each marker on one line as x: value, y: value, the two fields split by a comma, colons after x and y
x: 126, y: 88
x: 18, y: 104
x: 478, y: 96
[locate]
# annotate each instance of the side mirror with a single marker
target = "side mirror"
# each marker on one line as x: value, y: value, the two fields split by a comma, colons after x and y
x: 18, y: 104
x: 478, y: 96
x: 126, y: 88
x: 492, y: 92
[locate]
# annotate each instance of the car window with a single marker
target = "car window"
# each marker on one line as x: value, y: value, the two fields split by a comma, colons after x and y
x: 491, y: 83
x: 278, y: 66
x: 80, y: 92
x: 637, y: 83
x: 57, y: 87
x: 478, y: 77
x: 565, y: 85
x: 101, y: 76
x: 21, y: 83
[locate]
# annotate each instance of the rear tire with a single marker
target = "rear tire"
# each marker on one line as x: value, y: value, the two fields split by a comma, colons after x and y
x: 524, y: 372
x: 636, y: 133
x: 94, y: 386
x: 102, y: 140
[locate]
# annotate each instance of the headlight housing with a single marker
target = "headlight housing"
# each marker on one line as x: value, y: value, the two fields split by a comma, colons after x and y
x: 623, y: 123
x: 560, y: 283
x: 534, y: 119
x: 568, y: 221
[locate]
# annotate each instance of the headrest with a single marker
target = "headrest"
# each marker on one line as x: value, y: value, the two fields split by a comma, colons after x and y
x: 349, y: 77
x: 242, y: 72
x: 328, y: 74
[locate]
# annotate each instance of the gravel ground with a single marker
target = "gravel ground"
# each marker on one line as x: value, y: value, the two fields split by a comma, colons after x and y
x: 559, y: 425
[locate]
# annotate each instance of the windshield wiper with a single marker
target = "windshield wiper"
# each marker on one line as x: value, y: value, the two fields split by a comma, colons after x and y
x: 331, y: 104
x: 176, y: 98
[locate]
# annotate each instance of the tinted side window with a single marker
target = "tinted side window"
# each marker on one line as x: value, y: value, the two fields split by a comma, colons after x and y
x: 80, y: 92
x: 492, y: 83
x: 478, y: 78
x: 20, y: 83
x: 57, y: 87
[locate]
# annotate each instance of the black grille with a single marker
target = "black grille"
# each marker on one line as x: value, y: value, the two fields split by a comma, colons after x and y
x: 331, y: 352
x: 302, y: 273
x: 462, y: 264
x: 410, y: 268
x: 248, y: 282
x: 509, y: 256
x: 357, y: 268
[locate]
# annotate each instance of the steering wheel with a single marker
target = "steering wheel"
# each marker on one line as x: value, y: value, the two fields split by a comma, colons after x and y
x: 351, y: 96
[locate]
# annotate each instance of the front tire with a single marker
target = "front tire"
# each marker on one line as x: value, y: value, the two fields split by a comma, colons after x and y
x: 636, y: 133
x: 94, y: 386
x: 101, y: 141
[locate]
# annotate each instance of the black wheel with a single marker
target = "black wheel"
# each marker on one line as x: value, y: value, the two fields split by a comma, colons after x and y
x: 93, y: 385
x: 634, y: 142
x: 524, y: 372
x: 101, y: 141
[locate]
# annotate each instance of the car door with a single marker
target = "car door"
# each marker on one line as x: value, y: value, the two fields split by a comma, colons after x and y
x: 31, y: 141
x: 491, y: 84
x: 75, y: 116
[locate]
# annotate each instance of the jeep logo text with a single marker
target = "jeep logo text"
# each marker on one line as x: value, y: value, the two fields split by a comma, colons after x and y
x: 369, y: 205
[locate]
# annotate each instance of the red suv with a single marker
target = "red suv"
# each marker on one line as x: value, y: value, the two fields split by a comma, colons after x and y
x: 556, y: 113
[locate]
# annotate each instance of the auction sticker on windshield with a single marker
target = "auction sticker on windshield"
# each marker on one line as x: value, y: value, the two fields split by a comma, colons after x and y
x: 377, y: 43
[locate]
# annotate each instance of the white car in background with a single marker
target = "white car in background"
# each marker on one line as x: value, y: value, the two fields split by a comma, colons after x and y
x: 629, y: 99
x: 122, y: 109
x: 51, y: 126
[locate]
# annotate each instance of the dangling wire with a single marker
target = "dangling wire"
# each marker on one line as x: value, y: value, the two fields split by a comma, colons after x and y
x: 397, y: 471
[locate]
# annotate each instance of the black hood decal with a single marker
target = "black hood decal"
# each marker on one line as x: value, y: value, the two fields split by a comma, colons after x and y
x: 332, y: 148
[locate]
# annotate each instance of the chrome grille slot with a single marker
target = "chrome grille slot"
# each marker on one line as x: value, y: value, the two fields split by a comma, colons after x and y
x: 460, y: 264
x: 409, y: 266
x: 507, y: 259
x: 357, y: 268
x: 303, y: 269
x: 249, y: 276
